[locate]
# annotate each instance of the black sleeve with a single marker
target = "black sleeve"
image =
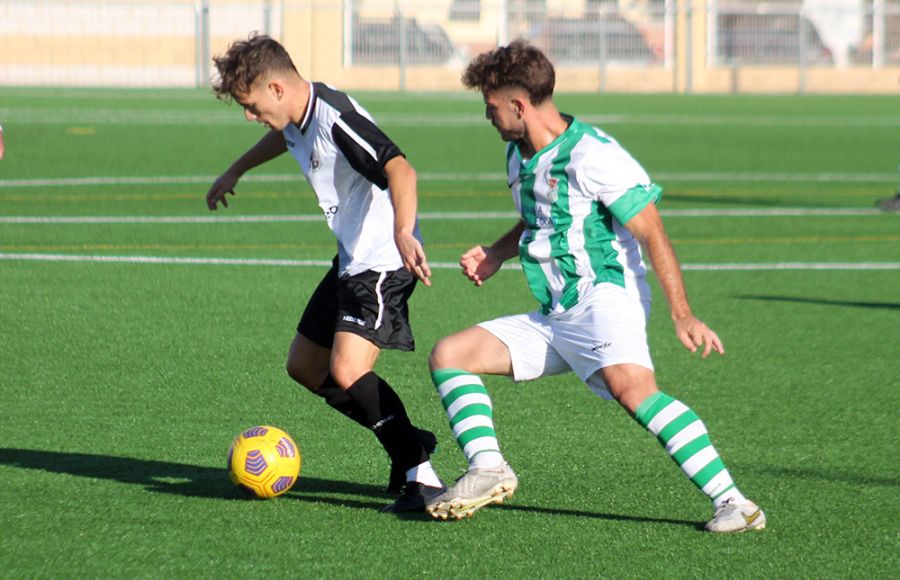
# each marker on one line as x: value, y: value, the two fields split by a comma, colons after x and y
x: 365, y: 146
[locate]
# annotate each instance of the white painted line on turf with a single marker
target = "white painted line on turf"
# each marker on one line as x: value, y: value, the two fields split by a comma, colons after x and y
x: 486, y: 215
x: 663, y: 176
x: 772, y: 212
x: 793, y: 266
x: 163, y: 260
x: 726, y: 267
x: 231, y: 116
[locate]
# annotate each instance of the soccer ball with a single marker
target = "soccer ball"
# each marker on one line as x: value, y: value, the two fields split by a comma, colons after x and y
x: 264, y: 461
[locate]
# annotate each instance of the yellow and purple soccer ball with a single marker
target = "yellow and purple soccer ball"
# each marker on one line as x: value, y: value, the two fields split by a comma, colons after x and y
x: 264, y: 461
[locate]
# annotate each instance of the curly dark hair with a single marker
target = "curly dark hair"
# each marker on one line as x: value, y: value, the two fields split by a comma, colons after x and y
x: 517, y: 65
x: 246, y: 61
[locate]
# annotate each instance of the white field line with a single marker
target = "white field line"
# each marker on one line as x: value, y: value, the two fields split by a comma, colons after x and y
x: 731, y: 176
x: 194, y: 261
x: 232, y: 116
x: 486, y: 215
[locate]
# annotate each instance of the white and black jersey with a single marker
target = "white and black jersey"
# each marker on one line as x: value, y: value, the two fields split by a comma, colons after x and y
x: 342, y: 153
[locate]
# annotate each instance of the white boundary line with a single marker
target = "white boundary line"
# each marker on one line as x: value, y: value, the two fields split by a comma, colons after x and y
x: 486, y: 215
x: 193, y: 261
x: 734, y: 176
x: 229, y: 116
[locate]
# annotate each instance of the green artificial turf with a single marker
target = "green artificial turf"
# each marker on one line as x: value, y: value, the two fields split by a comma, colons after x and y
x: 122, y: 384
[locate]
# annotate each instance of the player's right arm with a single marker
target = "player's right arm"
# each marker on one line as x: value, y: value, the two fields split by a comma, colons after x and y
x: 269, y: 147
x: 482, y: 262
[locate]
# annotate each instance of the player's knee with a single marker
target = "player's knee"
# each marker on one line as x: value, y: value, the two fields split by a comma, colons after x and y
x: 443, y: 355
x: 346, y: 375
x: 630, y: 384
x: 303, y: 375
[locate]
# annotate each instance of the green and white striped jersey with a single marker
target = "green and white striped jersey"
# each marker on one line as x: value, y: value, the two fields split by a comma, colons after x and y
x: 574, y: 195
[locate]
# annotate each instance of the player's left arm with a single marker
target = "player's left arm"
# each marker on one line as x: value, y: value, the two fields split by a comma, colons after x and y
x: 647, y: 227
x: 402, y: 183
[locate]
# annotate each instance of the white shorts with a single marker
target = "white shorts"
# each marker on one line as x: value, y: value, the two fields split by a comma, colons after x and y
x: 607, y: 327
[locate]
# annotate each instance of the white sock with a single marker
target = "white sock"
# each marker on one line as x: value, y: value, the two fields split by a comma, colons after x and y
x: 732, y: 494
x: 487, y: 459
x: 425, y: 474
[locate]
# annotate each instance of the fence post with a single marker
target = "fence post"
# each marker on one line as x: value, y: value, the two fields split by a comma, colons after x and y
x: 712, y: 34
x: 603, y: 50
x: 669, y: 42
x: 401, y: 56
x: 201, y: 43
x: 503, y: 24
x: 689, y: 47
x: 348, y: 33
x: 802, y: 55
x: 878, y: 18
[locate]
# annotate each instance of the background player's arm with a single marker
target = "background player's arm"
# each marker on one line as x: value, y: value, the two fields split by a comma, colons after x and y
x: 401, y: 178
x: 269, y: 147
x: 482, y: 262
x: 647, y: 227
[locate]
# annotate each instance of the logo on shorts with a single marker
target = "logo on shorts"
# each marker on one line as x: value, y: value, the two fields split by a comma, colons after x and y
x: 354, y: 320
x: 601, y: 347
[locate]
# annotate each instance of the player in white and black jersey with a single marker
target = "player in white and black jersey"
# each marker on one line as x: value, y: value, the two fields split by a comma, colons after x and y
x: 367, y: 191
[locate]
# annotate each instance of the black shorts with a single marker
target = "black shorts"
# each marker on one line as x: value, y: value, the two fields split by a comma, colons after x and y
x: 373, y: 305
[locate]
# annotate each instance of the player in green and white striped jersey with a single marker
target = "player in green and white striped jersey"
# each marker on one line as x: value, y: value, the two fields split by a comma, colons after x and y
x: 587, y: 207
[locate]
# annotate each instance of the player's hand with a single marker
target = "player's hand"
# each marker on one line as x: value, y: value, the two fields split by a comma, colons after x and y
x: 693, y: 334
x: 222, y: 186
x: 413, y: 256
x: 478, y: 265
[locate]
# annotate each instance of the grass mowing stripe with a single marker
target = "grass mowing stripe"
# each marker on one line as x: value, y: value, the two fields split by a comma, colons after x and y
x: 731, y: 176
x: 436, y: 265
x: 224, y: 116
x: 463, y: 215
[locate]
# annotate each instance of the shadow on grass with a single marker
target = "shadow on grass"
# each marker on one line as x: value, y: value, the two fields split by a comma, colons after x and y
x: 174, y: 478
x: 578, y: 514
x: 210, y: 482
x: 829, y: 475
x: 821, y: 301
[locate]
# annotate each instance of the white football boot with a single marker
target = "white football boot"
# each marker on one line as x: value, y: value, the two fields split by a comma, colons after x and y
x: 478, y: 487
x: 732, y: 517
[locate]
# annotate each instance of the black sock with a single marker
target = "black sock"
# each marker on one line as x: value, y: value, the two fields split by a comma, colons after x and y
x: 339, y: 400
x: 387, y: 418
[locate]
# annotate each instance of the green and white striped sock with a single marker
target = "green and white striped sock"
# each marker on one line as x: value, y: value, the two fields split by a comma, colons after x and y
x: 687, y: 441
x: 470, y: 413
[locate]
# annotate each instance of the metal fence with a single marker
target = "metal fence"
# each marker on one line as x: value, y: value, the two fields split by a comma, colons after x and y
x: 840, y: 35
x: 169, y: 42
x: 423, y: 33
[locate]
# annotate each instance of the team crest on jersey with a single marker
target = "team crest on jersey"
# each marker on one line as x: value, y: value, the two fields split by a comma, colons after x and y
x: 552, y: 188
x: 314, y: 162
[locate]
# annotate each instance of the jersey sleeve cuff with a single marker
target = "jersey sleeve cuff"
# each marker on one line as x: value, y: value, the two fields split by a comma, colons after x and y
x: 634, y: 200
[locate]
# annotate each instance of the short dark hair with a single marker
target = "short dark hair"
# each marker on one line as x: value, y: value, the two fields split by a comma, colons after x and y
x: 246, y: 61
x: 517, y: 65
